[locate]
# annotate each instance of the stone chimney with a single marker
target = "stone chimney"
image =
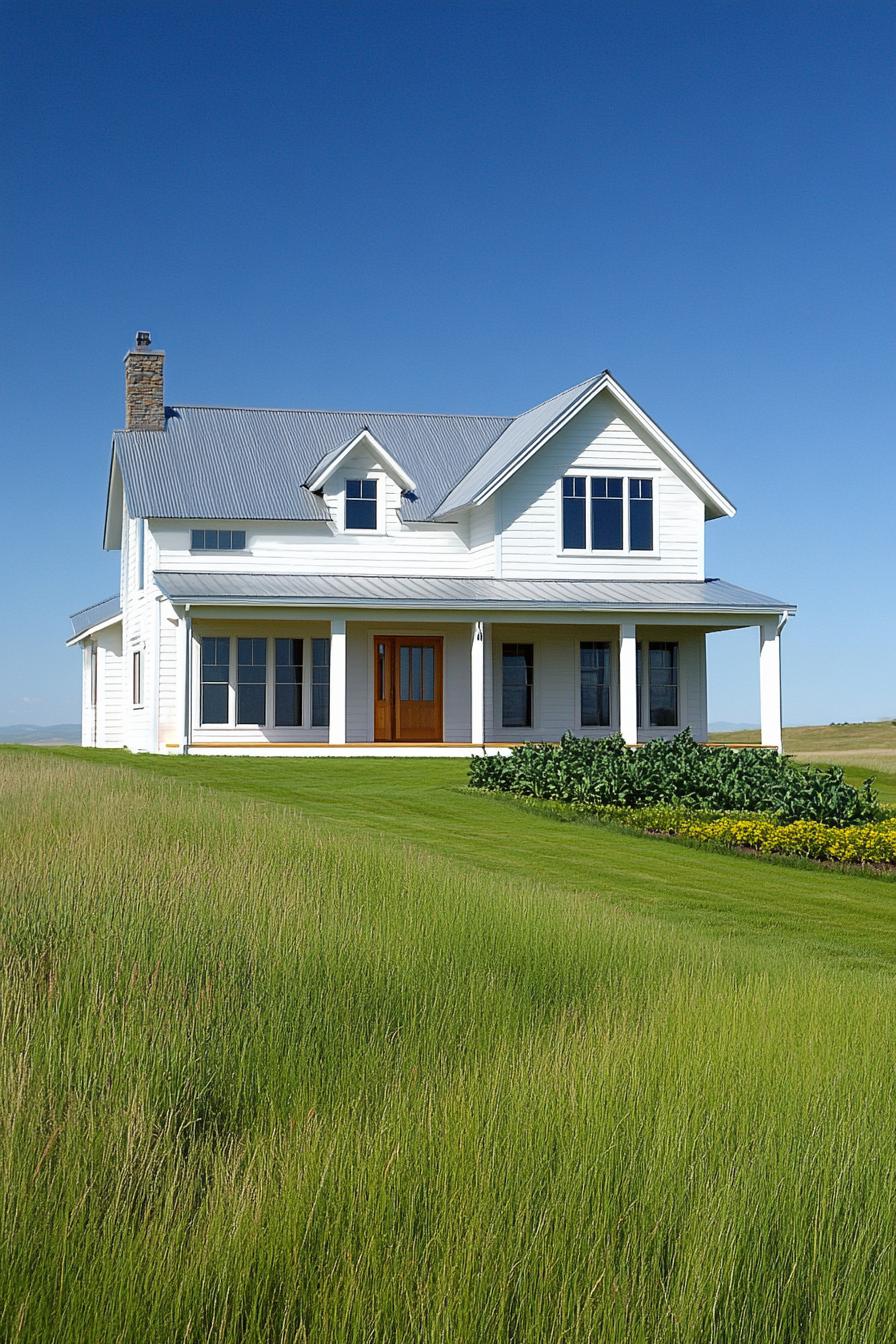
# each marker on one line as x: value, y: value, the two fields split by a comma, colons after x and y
x: 144, y: 391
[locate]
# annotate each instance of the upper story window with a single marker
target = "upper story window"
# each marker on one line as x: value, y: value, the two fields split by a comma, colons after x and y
x: 360, y: 506
x: 608, y: 513
x: 217, y: 539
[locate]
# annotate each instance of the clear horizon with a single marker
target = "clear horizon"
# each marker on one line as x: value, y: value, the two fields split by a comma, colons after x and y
x: 467, y: 209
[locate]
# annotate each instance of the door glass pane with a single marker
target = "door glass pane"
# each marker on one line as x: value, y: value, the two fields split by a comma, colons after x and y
x: 404, y: 672
x: 429, y: 673
x: 380, y: 671
x: 416, y: 673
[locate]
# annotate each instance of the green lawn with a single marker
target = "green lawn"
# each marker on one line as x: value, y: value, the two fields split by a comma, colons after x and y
x: 337, y: 1051
x: 426, y: 803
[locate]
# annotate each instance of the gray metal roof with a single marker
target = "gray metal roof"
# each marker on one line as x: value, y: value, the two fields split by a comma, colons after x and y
x: 515, y: 439
x: 97, y: 614
x: 229, y: 462
x: 710, y: 595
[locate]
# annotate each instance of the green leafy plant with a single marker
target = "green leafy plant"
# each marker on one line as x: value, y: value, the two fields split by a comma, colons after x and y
x: 605, y: 772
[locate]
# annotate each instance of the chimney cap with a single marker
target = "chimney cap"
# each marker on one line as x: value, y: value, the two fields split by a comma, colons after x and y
x: 143, y: 339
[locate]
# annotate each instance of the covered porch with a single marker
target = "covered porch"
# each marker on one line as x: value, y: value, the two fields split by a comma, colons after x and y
x: 264, y: 672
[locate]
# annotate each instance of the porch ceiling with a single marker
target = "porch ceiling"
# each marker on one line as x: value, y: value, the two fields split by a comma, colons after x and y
x: 420, y: 593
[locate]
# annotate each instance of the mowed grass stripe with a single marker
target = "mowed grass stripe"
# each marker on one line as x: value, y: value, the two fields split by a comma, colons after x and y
x: 426, y: 803
x: 264, y: 1084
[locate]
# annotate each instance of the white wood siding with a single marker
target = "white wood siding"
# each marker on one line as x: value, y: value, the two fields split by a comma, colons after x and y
x: 598, y: 440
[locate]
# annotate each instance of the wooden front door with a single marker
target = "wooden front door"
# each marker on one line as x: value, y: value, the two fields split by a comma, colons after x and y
x: 407, y: 688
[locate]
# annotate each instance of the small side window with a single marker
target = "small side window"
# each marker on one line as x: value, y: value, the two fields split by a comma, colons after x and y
x: 137, y: 677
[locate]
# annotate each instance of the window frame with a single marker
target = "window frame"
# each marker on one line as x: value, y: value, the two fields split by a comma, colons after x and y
x: 652, y: 474
x: 612, y: 647
x: 647, y: 686
x: 520, y: 643
x: 377, y: 480
x: 273, y: 641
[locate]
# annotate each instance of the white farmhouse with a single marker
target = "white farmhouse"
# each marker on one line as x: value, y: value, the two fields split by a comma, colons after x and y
x: 298, y: 581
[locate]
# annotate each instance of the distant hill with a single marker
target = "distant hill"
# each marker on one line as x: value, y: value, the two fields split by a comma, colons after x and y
x: 42, y: 735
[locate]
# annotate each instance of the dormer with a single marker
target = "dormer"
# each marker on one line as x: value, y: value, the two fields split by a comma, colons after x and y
x: 359, y: 481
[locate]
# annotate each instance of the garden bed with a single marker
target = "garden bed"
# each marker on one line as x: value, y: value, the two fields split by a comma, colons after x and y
x: 753, y: 801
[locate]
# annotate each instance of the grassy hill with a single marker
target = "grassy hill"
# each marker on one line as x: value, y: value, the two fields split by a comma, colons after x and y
x: 335, y: 1050
x: 861, y: 748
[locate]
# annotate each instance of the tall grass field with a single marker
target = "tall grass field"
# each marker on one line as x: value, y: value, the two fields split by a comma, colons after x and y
x: 270, y: 1077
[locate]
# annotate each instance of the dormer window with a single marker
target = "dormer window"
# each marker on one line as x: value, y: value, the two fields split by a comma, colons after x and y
x: 608, y: 514
x: 360, y: 506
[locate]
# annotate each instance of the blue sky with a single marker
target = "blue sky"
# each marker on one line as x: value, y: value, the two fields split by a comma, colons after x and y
x: 466, y: 207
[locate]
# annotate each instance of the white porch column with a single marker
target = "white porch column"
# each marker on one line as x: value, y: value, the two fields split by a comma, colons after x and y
x: 628, y: 682
x: 770, y: 683
x: 337, y: 679
x: 477, y: 684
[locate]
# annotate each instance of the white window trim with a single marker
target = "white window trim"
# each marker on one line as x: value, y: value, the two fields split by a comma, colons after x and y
x: 380, y: 478
x: 647, y: 473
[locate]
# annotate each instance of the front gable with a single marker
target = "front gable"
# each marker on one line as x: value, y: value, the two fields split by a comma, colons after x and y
x: 531, y: 432
x: 601, y: 443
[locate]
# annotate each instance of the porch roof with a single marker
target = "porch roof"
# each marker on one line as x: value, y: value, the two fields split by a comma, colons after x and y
x: 419, y: 592
x: 90, y: 618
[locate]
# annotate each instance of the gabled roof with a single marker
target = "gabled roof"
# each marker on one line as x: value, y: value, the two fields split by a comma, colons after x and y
x: 232, y: 462
x: 220, y: 462
x: 220, y: 588
x: 96, y: 617
x: 528, y: 432
x: 324, y: 469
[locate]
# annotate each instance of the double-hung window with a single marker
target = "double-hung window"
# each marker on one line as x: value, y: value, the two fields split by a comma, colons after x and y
x: 517, y: 667
x: 574, y: 511
x: 360, y: 506
x: 594, y: 684
x: 320, y: 683
x: 251, y: 680
x: 287, y: 683
x: 662, y: 684
x: 608, y: 513
x: 214, y: 691
x: 640, y: 514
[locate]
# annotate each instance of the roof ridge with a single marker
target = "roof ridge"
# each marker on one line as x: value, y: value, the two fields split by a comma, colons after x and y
x: 323, y: 410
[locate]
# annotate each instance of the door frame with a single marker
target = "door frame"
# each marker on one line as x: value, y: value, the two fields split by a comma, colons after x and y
x: 394, y: 639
